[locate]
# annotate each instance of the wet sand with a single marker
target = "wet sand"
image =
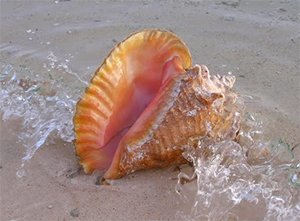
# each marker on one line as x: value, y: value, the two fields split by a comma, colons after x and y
x: 257, y: 41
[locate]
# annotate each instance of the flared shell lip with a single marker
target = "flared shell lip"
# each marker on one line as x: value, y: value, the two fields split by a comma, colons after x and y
x: 187, y: 60
x: 116, y: 46
x: 136, y: 33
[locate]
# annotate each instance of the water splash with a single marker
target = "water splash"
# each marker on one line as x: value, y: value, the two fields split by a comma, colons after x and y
x: 62, y: 66
x: 42, y: 106
x: 253, y: 173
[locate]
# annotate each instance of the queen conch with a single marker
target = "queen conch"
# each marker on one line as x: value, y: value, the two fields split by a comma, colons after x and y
x: 144, y: 102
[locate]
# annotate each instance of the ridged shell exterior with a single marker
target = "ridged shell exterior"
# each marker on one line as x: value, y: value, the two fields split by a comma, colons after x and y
x: 97, y: 116
x: 191, y: 105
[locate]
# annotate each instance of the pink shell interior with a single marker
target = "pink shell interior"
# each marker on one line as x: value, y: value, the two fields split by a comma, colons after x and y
x: 122, y: 90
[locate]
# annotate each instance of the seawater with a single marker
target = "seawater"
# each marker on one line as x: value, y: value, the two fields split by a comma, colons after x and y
x: 254, y: 177
x: 45, y: 105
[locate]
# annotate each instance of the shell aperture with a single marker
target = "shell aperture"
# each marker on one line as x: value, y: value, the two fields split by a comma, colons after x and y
x: 121, y: 89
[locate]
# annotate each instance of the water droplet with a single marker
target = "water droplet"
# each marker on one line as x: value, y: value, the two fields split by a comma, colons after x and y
x: 20, y: 173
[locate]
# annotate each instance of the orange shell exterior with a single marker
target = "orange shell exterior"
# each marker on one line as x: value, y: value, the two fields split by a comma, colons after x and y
x: 106, y: 106
x: 191, y: 105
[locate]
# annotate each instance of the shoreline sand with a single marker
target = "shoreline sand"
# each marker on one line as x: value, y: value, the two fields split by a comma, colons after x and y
x: 257, y: 41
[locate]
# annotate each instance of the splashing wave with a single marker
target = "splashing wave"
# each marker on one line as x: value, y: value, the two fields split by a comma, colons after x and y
x: 252, y: 178
x: 42, y: 105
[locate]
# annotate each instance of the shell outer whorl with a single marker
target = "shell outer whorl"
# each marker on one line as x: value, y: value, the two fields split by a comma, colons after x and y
x: 192, y: 105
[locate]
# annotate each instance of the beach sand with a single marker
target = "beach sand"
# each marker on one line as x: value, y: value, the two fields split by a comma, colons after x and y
x: 257, y: 41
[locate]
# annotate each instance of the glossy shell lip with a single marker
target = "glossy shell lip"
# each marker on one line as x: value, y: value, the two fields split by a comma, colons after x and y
x: 120, y: 91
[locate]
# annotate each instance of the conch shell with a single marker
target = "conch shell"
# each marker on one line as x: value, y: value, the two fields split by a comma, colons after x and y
x: 143, y: 103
